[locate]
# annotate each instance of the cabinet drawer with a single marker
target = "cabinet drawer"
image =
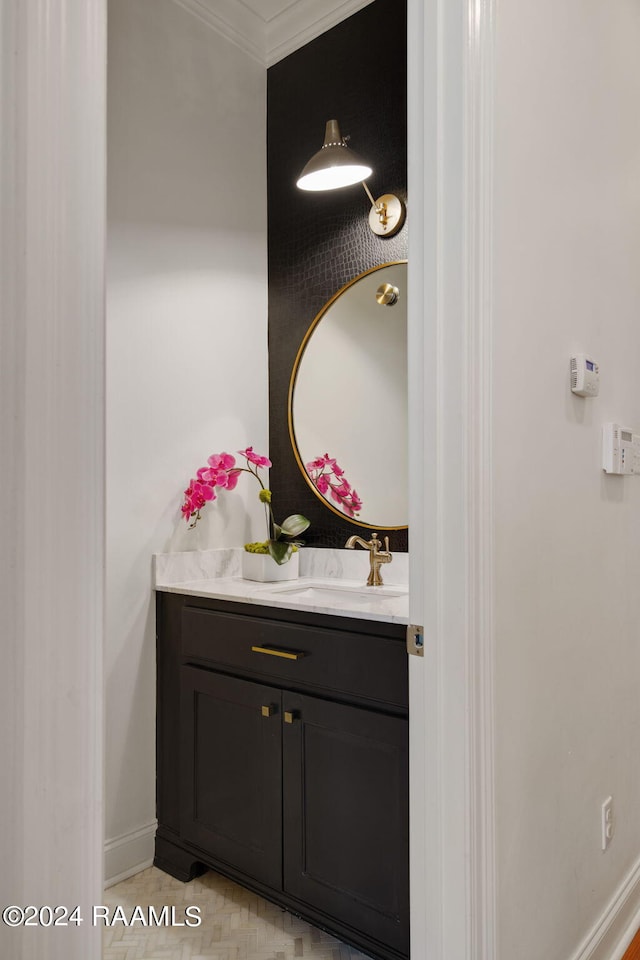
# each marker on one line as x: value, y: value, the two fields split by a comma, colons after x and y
x: 361, y: 665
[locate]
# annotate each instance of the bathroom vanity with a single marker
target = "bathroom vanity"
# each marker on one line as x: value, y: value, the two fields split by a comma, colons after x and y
x: 282, y: 742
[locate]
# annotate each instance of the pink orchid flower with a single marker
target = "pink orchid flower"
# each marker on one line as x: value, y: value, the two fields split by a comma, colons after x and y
x: 199, y: 493
x: 221, y: 471
x: 226, y: 480
x: 327, y: 461
x: 315, y: 464
x: 196, y: 495
x: 351, y: 503
x: 222, y: 461
x: 328, y: 477
x: 256, y: 458
x: 232, y: 479
x: 322, y: 483
x: 222, y: 479
x: 207, y: 475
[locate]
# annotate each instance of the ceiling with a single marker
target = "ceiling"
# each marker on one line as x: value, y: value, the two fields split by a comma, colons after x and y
x: 269, y: 30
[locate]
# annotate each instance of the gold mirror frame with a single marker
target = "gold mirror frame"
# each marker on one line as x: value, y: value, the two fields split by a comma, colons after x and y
x: 292, y: 381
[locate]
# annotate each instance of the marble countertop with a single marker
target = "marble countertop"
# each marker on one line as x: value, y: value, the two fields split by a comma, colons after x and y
x: 216, y: 575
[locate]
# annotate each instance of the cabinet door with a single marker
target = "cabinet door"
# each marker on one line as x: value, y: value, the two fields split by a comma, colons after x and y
x: 232, y: 772
x: 345, y: 781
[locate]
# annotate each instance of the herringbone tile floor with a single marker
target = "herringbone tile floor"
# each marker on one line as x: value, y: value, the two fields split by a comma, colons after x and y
x: 236, y: 924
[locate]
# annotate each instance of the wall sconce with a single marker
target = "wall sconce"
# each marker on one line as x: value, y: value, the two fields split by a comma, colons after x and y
x: 337, y: 165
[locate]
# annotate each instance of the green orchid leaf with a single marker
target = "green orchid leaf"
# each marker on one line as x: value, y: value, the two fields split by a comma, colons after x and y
x: 280, y: 551
x: 294, y: 525
x: 277, y: 531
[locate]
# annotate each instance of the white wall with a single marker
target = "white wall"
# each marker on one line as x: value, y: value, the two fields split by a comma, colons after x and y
x: 186, y: 343
x: 567, y: 278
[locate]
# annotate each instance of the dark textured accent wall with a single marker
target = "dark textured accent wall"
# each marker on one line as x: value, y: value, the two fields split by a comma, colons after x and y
x: 355, y: 73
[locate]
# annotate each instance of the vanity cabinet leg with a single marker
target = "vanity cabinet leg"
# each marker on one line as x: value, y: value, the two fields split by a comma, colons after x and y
x: 176, y: 862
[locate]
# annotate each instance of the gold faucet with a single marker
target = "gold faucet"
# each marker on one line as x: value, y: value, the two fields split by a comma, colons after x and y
x: 376, y: 556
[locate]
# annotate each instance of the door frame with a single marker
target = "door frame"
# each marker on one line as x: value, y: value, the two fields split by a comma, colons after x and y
x: 450, y: 134
x: 62, y: 53
x: 52, y: 365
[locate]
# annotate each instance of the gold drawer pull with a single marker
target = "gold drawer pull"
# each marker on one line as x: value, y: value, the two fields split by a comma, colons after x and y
x: 290, y: 716
x: 267, y: 710
x: 286, y: 654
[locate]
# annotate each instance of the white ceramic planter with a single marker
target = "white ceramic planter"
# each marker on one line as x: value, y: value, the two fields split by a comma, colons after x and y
x: 262, y: 567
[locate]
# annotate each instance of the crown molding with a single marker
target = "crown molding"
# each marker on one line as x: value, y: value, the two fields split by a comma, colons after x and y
x: 269, y: 40
x: 303, y: 21
x: 233, y: 20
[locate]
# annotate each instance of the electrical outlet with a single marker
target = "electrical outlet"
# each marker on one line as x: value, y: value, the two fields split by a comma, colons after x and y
x: 607, y: 822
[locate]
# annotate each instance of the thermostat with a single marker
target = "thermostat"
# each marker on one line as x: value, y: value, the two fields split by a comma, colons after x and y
x: 585, y: 376
x: 620, y: 450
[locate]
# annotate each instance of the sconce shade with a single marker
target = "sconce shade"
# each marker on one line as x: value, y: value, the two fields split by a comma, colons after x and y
x: 335, y: 165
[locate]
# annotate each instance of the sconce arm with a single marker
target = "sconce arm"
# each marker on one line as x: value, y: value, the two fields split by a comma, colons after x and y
x: 387, y: 213
x: 368, y: 193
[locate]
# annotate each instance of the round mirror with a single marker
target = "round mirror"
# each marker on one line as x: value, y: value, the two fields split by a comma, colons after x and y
x: 348, y: 400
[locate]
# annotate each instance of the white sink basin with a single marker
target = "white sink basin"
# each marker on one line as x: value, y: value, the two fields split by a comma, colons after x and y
x: 325, y: 593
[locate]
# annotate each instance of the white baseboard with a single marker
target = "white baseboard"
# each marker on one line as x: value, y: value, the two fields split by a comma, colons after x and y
x: 613, y: 932
x: 128, y: 854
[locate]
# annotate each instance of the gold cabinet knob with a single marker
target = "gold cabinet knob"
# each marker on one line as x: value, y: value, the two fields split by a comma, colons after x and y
x: 267, y: 710
x: 290, y: 716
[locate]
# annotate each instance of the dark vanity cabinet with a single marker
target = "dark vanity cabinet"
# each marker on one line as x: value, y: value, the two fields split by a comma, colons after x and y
x: 283, y: 761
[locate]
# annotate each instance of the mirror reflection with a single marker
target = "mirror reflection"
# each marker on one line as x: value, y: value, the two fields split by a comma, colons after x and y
x: 348, y: 400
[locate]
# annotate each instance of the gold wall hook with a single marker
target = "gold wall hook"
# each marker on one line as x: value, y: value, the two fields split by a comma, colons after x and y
x: 387, y: 295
